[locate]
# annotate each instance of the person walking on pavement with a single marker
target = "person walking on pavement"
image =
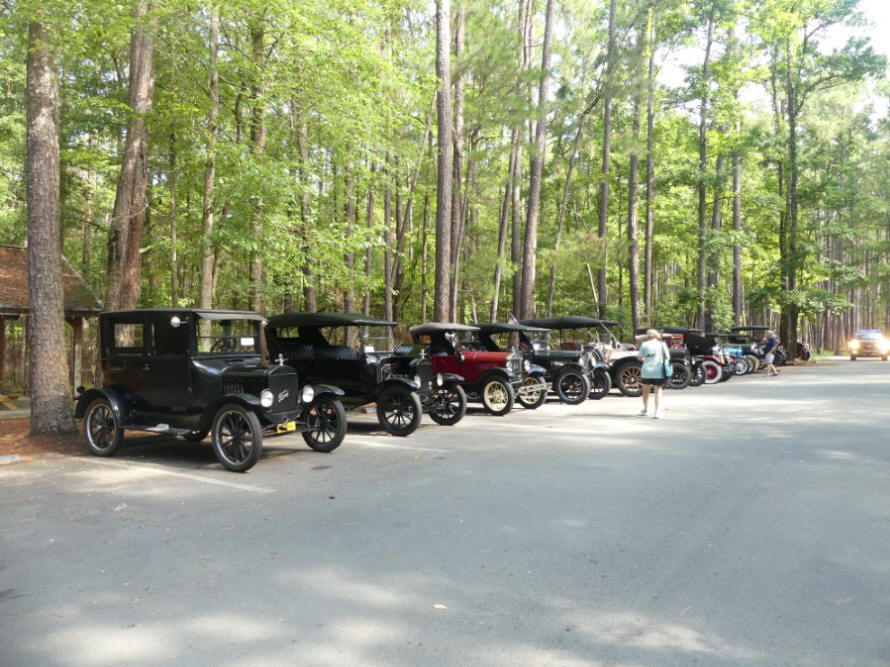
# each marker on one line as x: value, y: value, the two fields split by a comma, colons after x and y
x: 770, y: 343
x: 653, y: 353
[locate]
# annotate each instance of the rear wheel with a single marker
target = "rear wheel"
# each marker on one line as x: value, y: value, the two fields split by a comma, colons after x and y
x: 698, y: 375
x: 713, y: 371
x: 741, y: 366
x: 399, y: 410
x: 325, y: 424
x: 629, y: 380
x: 852, y: 357
x: 753, y: 362
x: 602, y: 383
x: 497, y: 396
x: 237, y: 437
x: 572, y: 386
x: 681, y: 376
x: 535, y: 392
x: 449, y: 405
x: 101, y: 428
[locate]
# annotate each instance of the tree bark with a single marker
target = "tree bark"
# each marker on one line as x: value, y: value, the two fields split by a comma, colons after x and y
x: 48, y: 368
x: 257, y: 148
x: 737, y: 296
x: 603, y: 212
x: 443, y: 195
x: 650, y: 168
x: 632, y: 240
x: 457, y: 164
x: 702, y: 168
x: 207, y: 219
x: 128, y: 218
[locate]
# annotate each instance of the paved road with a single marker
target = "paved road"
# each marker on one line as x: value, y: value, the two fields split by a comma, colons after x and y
x: 750, y: 527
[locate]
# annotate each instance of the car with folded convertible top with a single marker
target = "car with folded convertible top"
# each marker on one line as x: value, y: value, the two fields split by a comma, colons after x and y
x: 198, y: 372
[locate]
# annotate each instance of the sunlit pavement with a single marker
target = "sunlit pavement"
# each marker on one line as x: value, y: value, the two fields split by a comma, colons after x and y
x: 749, y: 527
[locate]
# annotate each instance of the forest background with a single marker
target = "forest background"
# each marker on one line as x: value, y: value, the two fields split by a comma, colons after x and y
x: 701, y: 162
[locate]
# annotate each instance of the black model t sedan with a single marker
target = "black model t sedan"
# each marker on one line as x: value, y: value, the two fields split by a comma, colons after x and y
x: 300, y: 338
x: 574, y: 370
x: 532, y: 391
x: 192, y: 372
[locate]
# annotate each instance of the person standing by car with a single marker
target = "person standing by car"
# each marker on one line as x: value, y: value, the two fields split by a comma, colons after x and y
x: 653, y: 353
x: 770, y: 343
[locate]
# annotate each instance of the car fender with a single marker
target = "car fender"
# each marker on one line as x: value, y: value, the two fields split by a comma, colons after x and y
x: 534, y: 369
x: 325, y: 389
x: 569, y: 365
x: 496, y: 373
x: 247, y: 401
x: 621, y: 363
x: 452, y: 377
x: 397, y: 381
x: 114, y: 397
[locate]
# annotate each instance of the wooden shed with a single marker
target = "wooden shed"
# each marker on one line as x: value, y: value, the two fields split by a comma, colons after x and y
x: 80, y: 301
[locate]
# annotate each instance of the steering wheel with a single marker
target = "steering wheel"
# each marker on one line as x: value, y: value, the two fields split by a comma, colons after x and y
x: 226, y: 344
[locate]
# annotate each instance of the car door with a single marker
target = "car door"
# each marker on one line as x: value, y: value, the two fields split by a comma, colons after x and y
x: 167, y: 369
x: 124, y: 354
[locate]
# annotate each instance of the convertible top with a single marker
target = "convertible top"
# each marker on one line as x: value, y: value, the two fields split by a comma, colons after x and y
x: 325, y: 320
x: 436, y: 327
x: 752, y: 327
x: 669, y: 330
x: 500, y: 327
x: 208, y: 314
x: 569, y: 322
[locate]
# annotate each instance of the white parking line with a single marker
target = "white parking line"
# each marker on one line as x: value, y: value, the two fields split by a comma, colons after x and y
x: 156, y: 470
x: 351, y: 440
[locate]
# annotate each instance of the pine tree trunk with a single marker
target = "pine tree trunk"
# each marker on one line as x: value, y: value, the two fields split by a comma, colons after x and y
x: 130, y: 203
x: 443, y: 196
x: 737, y: 303
x: 48, y: 369
x: 632, y: 240
x: 257, y: 148
x: 207, y: 219
x: 603, y: 212
x: 650, y: 168
x: 457, y: 164
x: 702, y: 168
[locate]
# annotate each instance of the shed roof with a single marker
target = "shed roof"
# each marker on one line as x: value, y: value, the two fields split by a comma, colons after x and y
x: 14, y: 299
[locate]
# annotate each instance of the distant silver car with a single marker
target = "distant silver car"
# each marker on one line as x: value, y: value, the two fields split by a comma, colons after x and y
x: 869, y: 343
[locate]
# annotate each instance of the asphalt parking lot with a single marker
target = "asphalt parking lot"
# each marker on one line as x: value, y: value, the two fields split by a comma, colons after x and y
x: 749, y: 527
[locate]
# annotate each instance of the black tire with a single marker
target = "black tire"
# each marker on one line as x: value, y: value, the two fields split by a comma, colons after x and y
x: 449, y: 405
x: 852, y: 357
x: 497, y: 396
x: 884, y: 358
x: 325, y: 424
x: 628, y: 380
x: 572, y: 386
x: 399, y: 410
x: 533, y: 400
x: 697, y: 379
x: 742, y: 366
x: 101, y: 428
x: 680, y: 378
x: 195, y: 436
x: 237, y: 437
x: 753, y: 363
x: 601, y: 384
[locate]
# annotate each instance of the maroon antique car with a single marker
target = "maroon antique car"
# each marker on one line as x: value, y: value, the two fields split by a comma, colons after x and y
x: 490, y: 377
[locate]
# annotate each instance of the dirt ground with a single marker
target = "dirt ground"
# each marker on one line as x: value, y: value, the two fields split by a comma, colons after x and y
x: 14, y: 439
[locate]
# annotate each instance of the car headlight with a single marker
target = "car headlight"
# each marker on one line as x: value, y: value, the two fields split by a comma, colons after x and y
x: 527, y: 365
x: 854, y: 344
x: 417, y: 380
x: 308, y: 394
x: 439, y: 380
x: 266, y: 398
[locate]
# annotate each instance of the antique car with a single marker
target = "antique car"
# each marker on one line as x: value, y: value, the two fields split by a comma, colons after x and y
x: 681, y: 359
x: 576, y: 369
x: 364, y: 376
x: 711, y: 364
x: 190, y: 373
x: 490, y: 377
x: 533, y: 390
x: 868, y: 343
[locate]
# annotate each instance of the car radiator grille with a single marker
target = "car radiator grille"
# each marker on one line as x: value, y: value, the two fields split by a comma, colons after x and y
x: 232, y: 388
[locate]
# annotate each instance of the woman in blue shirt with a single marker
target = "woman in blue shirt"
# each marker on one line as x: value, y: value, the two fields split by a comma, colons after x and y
x: 653, y: 353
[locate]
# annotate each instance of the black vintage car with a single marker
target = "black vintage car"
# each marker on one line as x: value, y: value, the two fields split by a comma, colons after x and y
x: 575, y: 371
x: 532, y: 391
x: 364, y: 376
x: 191, y: 373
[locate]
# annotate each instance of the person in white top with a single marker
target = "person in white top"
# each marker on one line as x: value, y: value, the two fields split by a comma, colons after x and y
x: 653, y: 353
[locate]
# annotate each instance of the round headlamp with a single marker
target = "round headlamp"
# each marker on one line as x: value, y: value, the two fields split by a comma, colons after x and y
x: 417, y: 380
x: 527, y: 365
x: 266, y: 398
x: 308, y: 394
x: 439, y: 380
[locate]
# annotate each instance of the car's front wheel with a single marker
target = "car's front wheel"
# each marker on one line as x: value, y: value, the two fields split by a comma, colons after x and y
x: 237, y: 437
x: 602, y: 383
x: 680, y: 377
x: 629, y: 382
x: 572, y: 386
x: 449, y: 405
x: 713, y: 371
x: 325, y: 424
x: 399, y: 410
x: 497, y: 396
x: 102, y: 428
x: 534, y: 392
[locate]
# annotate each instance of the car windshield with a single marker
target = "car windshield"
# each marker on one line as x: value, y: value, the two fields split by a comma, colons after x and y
x: 871, y: 335
x: 228, y: 336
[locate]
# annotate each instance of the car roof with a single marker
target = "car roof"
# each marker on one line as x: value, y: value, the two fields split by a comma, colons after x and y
x: 321, y: 319
x: 750, y: 327
x: 203, y: 313
x: 674, y: 330
x: 435, y: 327
x: 568, y: 322
x: 499, y: 327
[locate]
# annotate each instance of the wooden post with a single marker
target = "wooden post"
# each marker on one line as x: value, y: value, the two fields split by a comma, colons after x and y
x: 77, y: 358
x: 2, y: 347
